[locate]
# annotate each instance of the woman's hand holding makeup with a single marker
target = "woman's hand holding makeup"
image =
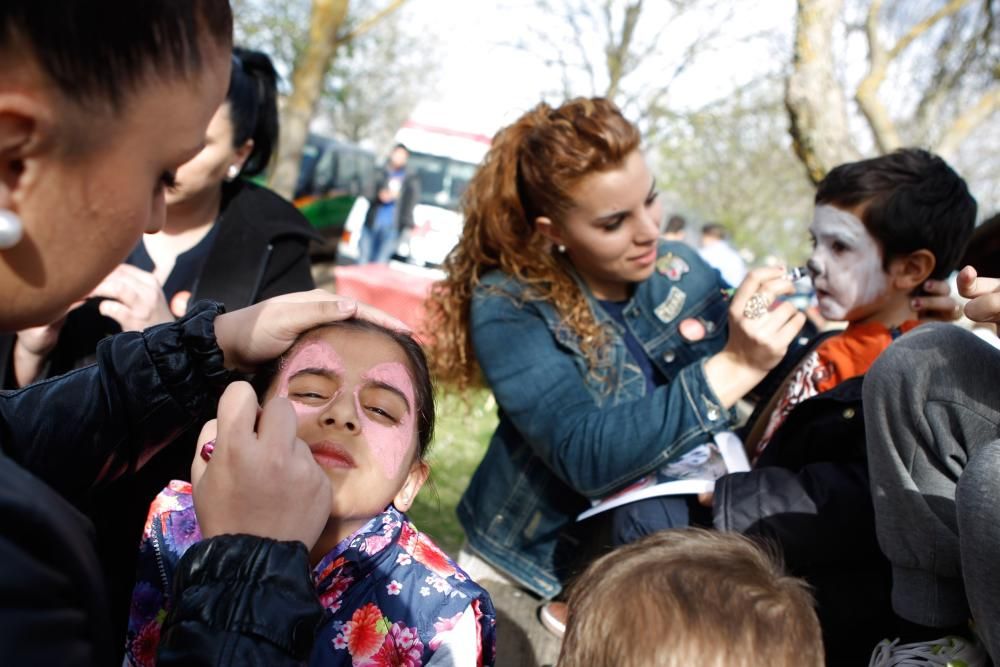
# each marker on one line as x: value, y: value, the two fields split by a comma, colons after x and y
x: 262, y: 480
x: 262, y: 332
x: 759, y: 336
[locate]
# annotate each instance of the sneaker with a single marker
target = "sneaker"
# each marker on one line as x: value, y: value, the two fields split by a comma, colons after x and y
x: 553, y: 617
x: 947, y: 652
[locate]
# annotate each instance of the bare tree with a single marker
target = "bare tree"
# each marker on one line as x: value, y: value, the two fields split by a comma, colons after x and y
x: 816, y: 102
x: 377, y: 81
x: 731, y: 162
x: 278, y: 28
x: 629, y: 51
x: 329, y: 30
x: 940, y: 56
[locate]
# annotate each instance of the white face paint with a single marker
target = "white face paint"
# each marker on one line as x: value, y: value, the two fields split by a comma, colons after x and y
x: 846, y: 264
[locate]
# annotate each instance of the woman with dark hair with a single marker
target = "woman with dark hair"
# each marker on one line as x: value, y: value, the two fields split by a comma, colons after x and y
x: 98, y: 107
x: 224, y: 239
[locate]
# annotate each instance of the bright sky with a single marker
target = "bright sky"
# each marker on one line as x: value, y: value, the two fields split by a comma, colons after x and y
x: 486, y: 82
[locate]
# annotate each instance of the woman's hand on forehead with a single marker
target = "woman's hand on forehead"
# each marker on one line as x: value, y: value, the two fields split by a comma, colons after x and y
x: 254, y: 335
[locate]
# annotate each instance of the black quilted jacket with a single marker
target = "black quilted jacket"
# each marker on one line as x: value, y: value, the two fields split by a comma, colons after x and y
x: 59, y: 440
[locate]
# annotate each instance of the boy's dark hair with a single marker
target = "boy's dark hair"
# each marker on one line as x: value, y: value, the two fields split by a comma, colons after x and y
x: 714, y: 230
x: 912, y: 200
x: 99, y: 51
x: 675, y: 224
x: 253, y: 107
x: 423, y: 389
x: 690, y: 597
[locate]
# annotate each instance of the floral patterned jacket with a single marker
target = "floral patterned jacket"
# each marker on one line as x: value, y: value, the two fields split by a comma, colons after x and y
x: 392, y: 597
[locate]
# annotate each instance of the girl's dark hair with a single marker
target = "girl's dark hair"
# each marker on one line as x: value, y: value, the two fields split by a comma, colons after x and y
x: 253, y: 107
x: 423, y: 389
x: 98, y: 52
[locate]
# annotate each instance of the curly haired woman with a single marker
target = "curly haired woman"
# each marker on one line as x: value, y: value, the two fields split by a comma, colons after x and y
x: 611, y: 354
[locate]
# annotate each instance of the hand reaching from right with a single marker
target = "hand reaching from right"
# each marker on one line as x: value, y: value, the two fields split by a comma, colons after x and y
x: 262, y: 480
x: 984, y: 294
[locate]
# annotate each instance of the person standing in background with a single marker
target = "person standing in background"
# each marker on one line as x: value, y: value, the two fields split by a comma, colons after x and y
x: 676, y: 229
x: 391, y: 211
x: 717, y: 251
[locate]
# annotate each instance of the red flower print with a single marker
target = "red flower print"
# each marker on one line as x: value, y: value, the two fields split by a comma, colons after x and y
x: 331, y: 594
x: 320, y: 576
x: 427, y: 553
x: 402, y: 648
x: 407, y: 536
x: 366, y: 631
x: 143, y: 648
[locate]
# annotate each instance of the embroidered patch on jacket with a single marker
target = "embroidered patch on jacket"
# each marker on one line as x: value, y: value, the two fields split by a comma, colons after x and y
x: 672, y: 266
x: 671, y: 306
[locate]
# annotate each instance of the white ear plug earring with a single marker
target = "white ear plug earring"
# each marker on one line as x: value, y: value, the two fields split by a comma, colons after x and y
x: 232, y: 172
x: 11, y: 229
x: 561, y: 248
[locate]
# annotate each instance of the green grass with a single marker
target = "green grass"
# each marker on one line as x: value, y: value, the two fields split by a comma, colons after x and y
x: 462, y: 432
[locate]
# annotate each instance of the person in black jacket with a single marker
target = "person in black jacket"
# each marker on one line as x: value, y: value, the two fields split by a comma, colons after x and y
x: 224, y: 239
x: 98, y: 105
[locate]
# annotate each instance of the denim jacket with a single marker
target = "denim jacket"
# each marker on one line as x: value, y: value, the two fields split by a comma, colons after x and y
x: 568, y: 433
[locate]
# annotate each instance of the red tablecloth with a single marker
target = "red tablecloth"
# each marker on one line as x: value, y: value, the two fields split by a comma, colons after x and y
x: 399, y: 292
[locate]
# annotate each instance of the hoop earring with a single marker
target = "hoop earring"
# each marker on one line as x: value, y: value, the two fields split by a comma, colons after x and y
x: 11, y: 229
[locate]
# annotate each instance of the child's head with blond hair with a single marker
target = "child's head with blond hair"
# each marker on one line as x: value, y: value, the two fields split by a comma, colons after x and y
x: 690, y: 597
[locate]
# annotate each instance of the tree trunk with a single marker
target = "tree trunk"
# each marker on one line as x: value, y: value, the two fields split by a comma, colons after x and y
x: 815, y: 101
x: 307, y: 84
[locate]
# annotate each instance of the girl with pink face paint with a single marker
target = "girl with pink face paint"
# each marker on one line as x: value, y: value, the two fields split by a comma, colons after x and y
x: 363, y: 401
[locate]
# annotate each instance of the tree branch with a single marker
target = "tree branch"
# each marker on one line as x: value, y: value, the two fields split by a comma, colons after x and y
x: 369, y: 23
x: 920, y: 28
x: 962, y: 126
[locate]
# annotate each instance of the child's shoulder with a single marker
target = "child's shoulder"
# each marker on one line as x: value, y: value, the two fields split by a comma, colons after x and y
x: 171, y: 525
x: 415, y: 602
x: 443, y: 575
x: 175, y: 497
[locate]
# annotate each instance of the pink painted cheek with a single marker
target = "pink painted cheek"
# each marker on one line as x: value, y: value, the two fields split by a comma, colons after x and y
x: 390, y: 444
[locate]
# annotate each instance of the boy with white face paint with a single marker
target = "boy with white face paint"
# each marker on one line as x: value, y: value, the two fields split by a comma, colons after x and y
x: 846, y: 265
x: 881, y: 228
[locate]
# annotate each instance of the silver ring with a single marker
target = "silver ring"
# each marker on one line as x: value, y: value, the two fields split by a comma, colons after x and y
x: 757, y: 306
